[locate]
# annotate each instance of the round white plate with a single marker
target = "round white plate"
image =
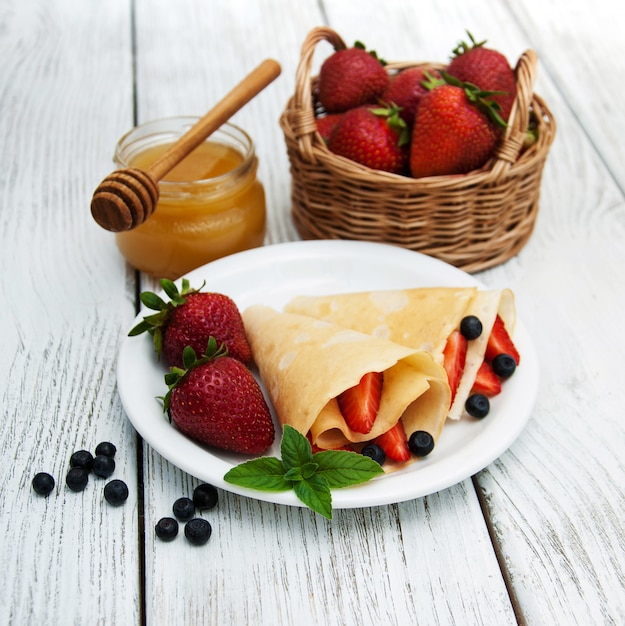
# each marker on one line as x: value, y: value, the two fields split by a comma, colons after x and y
x: 273, y: 275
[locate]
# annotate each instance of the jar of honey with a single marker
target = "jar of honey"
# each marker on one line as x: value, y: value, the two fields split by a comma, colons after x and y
x: 210, y: 205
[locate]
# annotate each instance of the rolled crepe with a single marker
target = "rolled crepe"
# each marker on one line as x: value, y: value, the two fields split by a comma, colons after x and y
x: 421, y: 318
x: 305, y: 364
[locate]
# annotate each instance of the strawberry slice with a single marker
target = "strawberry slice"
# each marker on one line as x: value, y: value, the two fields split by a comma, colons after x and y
x: 486, y: 381
x: 500, y: 342
x: 394, y: 443
x: 359, y: 405
x: 454, y: 357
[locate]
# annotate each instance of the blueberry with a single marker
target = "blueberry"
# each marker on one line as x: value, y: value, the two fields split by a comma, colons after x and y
x: 421, y: 443
x: 470, y: 327
x: 106, y: 448
x: 477, y: 405
x: 43, y: 483
x: 205, y: 496
x: 184, y: 509
x: 198, y: 531
x: 116, y: 492
x: 504, y: 365
x: 77, y: 478
x: 103, y: 466
x: 166, y: 528
x: 82, y: 458
x: 373, y: 451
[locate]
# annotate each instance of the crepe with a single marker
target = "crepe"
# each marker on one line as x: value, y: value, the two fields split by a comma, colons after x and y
x: 306, y: 363
x: 420, y: 318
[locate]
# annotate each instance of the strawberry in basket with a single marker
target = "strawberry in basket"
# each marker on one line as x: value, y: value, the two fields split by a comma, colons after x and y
x: 488, y: 69
x: 406, y: 89
x: 456, y: 130
x: 373, y: 136
x: 351, y: 77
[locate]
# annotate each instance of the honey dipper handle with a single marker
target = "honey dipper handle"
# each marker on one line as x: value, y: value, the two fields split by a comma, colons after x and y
x: 241, y: 94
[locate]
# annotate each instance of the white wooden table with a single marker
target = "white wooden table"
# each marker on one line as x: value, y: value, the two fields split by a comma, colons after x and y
x: 535, y: 538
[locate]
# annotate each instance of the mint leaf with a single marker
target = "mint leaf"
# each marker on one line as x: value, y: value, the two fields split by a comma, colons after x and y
x: 311, y: 476
x: 265, y: 474
x: 341, y: 468
x: 309, y: 469
x: 315, y: 493
x: 301, y: 473
x: 293, y: 475
x: 295, y: 448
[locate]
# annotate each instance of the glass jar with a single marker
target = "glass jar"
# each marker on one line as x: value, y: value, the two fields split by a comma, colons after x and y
x: 210, y: 205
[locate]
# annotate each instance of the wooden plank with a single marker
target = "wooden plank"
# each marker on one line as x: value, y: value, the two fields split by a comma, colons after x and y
x: 581, y: 48
x: 65, y: 93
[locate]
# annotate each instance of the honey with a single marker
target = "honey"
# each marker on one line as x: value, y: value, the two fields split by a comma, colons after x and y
x: 210, y: 205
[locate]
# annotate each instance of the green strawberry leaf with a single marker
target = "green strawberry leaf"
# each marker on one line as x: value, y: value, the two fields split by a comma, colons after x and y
x: 341, y: 468
x: 315, y: 493
x: 295, y: 448
x: 154, y: 323
x: 140, y: 328
x: 152, y: 301
x: 188, y: 357
x: 169, y: 287
x: 265, y: 473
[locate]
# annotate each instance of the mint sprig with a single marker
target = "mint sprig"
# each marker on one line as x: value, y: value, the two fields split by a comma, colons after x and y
x: 312, y: 476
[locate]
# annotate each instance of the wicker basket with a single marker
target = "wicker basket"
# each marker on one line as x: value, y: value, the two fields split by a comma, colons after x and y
x: 473, y: 221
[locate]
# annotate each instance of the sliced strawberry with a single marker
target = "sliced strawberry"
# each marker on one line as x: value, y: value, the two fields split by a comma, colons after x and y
x: 394, y: 443
x: 486, y: 381
x: 500, y: 342
x: 359, y: 405
x: 455, y: 355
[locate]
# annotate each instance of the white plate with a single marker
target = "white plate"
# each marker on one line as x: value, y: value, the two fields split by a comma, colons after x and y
x: 272, y: 275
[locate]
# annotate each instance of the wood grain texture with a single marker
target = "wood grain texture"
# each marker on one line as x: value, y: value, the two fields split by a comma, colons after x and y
x: 66, y: 293
x: 540, y: 542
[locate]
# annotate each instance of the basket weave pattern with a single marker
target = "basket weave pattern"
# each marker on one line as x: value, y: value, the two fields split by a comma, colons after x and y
x: 473, y: 221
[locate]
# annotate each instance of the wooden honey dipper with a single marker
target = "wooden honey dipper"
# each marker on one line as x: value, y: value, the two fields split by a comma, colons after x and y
x: 127, y: 197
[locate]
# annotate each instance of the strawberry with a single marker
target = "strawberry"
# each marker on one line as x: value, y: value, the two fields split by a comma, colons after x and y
x: 488, y: 69
x: 500, y: 342
x: 486, y: 381
x: 456, y: 130
x: 189, y: 319
x: 454, y: 358
x: 406, y: 90
x: 372, y: 136
x: 359, y: 405
x: 326, y: 124
x: 216, y: 400
x: 349, y: 78
x: 394, y: 443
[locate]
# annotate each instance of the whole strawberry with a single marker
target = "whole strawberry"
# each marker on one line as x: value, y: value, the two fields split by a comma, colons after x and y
x: 189, y: 319
x: 487, y: 69
x: 216, y: 400
x: 406, y: 90
x: 456, y: 130
x: 349, y: 78
x: 372, y: 136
